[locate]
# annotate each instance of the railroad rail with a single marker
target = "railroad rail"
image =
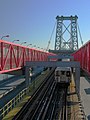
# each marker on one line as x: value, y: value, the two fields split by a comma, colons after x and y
x: 47, y: 103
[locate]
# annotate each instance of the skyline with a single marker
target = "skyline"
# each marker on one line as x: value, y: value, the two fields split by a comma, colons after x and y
x: 33, y: 21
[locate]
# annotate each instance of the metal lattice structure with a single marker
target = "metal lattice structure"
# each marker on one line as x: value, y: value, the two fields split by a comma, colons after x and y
x: 63, y: 42
x: 83, y: 56
x: 13, y: 56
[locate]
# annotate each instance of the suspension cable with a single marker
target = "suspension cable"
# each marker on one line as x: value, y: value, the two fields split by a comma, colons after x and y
x: 80, y: 34
x: 51, y: 37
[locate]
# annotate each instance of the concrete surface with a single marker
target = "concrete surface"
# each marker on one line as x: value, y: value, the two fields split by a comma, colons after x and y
x: 85, y: 95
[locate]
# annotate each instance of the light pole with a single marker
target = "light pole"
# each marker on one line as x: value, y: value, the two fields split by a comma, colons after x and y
x: 23, y: 43
x: 34, y: 46
x: 29, y: 44
x: 38, y: 47
x: 42, y: 49
x: 14, y: 40
x: 4, y: 36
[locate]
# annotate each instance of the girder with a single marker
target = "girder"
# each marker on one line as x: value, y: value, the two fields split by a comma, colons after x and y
x: 83, y: 56
x: 13, y: 56
x: 53, y: 64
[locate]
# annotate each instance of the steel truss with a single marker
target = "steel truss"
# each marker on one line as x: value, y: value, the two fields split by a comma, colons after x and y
x: 13, y: 56
x: 70, y: 43
x: 83, y: 56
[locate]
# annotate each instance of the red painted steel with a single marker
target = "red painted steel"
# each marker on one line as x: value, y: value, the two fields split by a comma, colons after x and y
x: 83, y: 55
x: 13, y: 56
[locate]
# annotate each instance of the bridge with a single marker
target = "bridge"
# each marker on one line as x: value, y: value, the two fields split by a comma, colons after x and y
x: 13, y: 56
x: 17, y: 60
x: 83, y: 56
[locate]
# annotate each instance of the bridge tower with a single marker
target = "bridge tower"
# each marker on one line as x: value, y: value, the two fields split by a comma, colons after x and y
x: 66, y: 33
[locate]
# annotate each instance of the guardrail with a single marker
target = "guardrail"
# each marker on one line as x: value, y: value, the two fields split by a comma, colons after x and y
x: 12, y: 103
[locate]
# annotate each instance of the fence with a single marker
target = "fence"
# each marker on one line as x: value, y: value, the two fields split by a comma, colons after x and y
x: 12, y: 103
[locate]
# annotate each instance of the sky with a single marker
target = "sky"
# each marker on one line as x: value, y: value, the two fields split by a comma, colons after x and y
x: 32, y: 21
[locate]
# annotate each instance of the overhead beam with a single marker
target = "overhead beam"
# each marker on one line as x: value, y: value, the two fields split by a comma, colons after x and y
x: 62, y: 51
x: 53, y: 64
x: 67, y: 18
x: 61, y: 57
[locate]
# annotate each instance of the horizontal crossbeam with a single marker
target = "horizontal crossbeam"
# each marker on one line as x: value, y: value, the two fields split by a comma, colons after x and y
x: 53, y: 64
x: 61, y: 57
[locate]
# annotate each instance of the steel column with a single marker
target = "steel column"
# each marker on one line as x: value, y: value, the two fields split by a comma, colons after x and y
x: 18, y: 55
x: 2, y: 60
x: 27, y: 76
x: 11, y: 58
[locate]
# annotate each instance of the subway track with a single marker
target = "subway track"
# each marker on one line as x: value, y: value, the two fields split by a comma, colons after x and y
x: 47, y: 103
x: 57, y: 107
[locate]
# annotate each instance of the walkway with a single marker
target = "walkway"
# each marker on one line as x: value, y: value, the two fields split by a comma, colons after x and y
x: 85, y: 94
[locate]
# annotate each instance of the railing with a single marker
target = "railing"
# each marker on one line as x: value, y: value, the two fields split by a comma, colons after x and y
x: 12, y: 103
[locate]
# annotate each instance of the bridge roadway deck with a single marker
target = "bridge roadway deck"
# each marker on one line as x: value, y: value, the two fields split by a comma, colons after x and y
x: 9, y: 84
x: 85, y: 94
x: 10, y: 89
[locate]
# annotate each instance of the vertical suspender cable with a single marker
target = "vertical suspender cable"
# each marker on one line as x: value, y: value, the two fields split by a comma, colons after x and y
x: 51, y: 37
x: 80, y: 34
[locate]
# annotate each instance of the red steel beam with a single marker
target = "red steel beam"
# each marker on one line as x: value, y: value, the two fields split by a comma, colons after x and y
x: 83, y: 56
x: 2, y: 60
x: 13, y: 56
